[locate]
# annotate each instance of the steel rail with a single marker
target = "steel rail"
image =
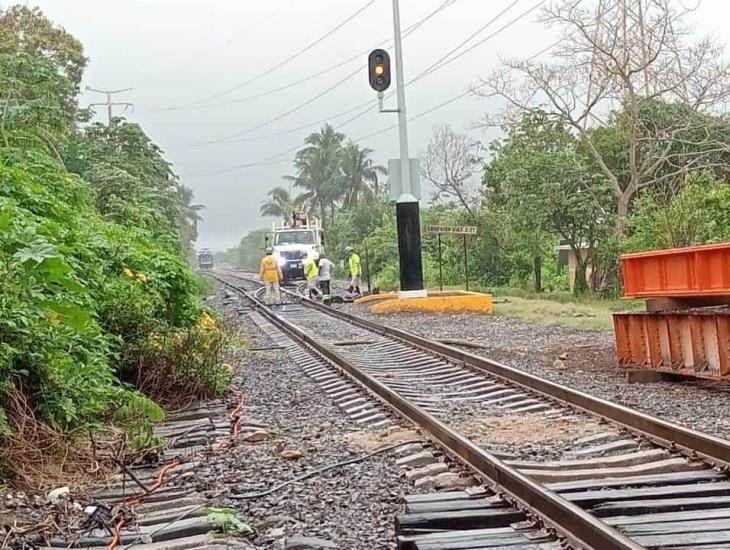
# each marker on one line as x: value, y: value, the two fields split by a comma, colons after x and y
x: 572, y: 522
x: 668, y: 434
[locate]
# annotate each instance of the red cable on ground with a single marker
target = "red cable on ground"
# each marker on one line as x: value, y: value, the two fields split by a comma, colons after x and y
x: 132, y: 501
x: 235, y: 417
x: 117, y: 535
x: 160, y: 480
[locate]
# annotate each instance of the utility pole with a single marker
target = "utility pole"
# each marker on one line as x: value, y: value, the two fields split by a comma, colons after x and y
x: 109, y: 103
x: 407, y: 210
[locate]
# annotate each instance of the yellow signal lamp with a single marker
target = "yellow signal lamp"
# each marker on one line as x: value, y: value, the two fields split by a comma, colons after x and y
x: 379, y: 70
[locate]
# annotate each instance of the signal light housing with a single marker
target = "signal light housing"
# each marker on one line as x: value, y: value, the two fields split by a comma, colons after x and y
x: 379, y: 70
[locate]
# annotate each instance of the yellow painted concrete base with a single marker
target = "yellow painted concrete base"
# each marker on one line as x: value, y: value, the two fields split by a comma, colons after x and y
x: 437, y: 302
x: 370, y: 298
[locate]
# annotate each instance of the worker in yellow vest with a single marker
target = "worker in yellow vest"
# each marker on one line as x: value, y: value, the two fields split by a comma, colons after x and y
x: 311, y: 272
x: 271, y: 276
x: 353, y: 261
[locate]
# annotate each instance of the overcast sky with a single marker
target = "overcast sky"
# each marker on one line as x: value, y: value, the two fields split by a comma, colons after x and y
x: 175, y: 53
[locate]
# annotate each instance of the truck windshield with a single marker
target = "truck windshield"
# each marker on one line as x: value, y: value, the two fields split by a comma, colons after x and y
x: 295, y: 237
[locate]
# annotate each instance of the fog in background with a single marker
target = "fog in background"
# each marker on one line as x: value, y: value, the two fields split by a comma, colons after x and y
x: 177, y: 53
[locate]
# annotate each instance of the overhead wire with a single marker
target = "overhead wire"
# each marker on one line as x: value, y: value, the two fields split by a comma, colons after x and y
x: 495, y: 33
x: 288, y: 59
x: 430, y: 69
x: 369, y: 103
x: 410, y: 29
x: 450, y: 100
x: 440, y: 62
x: 476, y: 33
x: 290, y: 111
x: 271, y: 159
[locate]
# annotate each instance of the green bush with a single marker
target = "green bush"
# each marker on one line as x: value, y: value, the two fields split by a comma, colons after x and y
x: 178, y: 366
x: 699, y: 213
x: 95, y: 229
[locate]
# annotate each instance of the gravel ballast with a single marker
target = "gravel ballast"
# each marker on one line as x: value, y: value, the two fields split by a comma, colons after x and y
x: 581, y: 359
x: 351, y: 506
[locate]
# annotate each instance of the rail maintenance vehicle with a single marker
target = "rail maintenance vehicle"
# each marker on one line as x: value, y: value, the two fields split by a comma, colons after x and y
x: 205, y: 259
x: 294, y: 241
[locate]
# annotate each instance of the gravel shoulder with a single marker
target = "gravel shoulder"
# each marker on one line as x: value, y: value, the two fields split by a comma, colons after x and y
x: 352, y: 506
x: 581, y: 359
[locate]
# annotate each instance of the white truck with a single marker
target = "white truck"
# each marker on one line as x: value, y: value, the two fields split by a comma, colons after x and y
x: 293, y: 242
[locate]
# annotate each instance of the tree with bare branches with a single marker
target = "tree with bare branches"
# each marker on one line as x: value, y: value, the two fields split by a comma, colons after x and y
x: 449, y: 163
x: 630, y: 62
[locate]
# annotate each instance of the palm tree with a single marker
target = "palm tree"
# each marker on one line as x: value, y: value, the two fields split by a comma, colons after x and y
x: 188, y: 216
x: 359, y: 170
x: 319, y: 171
x: 280, y: 203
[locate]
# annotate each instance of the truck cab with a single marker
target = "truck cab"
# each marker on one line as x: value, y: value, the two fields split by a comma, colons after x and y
x: 294, y: 242
x: 206, y: 259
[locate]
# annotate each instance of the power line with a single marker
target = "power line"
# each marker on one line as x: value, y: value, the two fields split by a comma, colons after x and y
x: 270, y: 159
x: 448, y: 101
x: 290, y: 111
x: 439, y: 64
x: 295, y: 83
x: 368, y: 103
x: 465, y: 41
x: 228, y: 138
x: 288, y: 59
x: 417, y: 116
x: 486, y: 38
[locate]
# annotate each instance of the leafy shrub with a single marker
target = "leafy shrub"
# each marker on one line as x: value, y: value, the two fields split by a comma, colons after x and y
x: 136, y: 414
x: 94, y: 231
x: 178, y: 366
x: 699, y: 213
x: 50, y: 342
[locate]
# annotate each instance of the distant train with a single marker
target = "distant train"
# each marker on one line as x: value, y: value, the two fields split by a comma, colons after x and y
x: 205, y: 259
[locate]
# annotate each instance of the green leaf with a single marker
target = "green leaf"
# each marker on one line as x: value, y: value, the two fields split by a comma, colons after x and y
x: 69, y: 314
x: 56, y: 270
x: 37, y: 252
x: 6, y: 219
x: 226, y: 520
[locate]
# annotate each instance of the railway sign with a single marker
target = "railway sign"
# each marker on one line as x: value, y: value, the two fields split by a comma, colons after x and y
x: 450, y: 230
x: 464, y: 231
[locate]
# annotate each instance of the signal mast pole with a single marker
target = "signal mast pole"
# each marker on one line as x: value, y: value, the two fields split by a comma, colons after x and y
x: 407, y: 210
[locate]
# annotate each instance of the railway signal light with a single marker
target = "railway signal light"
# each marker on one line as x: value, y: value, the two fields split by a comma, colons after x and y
x: 379, y: 70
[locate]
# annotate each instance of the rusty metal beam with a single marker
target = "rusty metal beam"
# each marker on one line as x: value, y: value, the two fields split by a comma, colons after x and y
x: 693, y: 343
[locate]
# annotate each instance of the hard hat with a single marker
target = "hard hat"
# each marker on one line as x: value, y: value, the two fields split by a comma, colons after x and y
x: 348, y: 249
x: 314, y: 256
x: 269, y: 250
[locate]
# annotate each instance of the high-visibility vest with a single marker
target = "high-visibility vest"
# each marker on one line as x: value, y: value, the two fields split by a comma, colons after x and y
x: 270, y: 271
x: 310, y: 269
x: 355, y: 268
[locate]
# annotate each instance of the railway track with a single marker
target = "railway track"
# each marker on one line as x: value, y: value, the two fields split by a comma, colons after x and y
x: 615, y: 478
x: 158, y: 505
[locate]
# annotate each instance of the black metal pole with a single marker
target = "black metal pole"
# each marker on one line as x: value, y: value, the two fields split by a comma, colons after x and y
x: 441, y: 273
x: 466, y: 264
x: 409, y: 245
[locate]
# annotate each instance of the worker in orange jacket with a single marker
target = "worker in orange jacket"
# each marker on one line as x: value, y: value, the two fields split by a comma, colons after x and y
x: 271, y: 276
